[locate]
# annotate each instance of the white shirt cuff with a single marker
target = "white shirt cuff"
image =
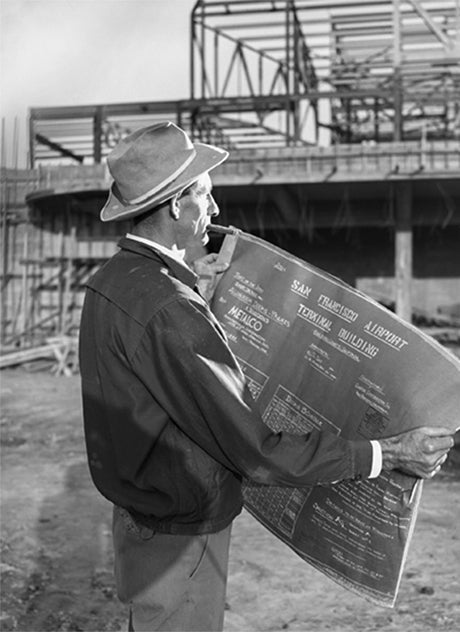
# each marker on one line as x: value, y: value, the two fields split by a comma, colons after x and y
x: 376, y: 459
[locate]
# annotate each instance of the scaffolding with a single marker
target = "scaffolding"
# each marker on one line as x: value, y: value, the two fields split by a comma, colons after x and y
x: 303, y: 92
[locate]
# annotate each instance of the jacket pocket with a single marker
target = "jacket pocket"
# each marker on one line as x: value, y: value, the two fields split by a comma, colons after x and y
x: 139, y: 530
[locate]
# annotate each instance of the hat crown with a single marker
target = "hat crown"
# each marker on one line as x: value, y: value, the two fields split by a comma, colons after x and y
x: 152, y: 165
x: 149, y: 159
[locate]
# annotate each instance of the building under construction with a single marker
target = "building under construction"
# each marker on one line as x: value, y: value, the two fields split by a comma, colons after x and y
x: 342, y: 118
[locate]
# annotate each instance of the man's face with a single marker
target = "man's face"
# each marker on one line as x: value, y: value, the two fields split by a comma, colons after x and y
x: 197, y: 206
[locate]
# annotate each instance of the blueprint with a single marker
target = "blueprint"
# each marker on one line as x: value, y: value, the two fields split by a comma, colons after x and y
x: 317, y: 353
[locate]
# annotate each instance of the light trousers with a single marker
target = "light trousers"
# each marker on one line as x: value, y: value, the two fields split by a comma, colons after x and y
x: 170, y: 582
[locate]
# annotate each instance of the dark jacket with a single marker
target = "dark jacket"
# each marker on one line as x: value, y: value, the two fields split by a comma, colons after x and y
x: 169, y: 422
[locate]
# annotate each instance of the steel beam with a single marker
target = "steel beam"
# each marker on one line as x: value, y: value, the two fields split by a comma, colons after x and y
x: 431, y: 24
x: 59, y: 148
x: 372, y: 83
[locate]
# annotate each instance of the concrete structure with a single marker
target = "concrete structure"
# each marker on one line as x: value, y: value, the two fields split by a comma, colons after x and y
x: 343, y: 122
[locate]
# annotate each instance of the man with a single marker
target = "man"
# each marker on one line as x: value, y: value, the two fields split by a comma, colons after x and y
x: 169, y: 423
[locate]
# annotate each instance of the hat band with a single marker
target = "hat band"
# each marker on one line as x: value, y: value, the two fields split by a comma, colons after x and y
x: 165, y: 182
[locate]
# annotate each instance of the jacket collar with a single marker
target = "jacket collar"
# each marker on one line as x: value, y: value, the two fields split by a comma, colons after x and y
x: 179, y: 270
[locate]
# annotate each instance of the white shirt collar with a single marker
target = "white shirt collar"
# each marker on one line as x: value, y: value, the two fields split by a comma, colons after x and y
x: 178, y: 255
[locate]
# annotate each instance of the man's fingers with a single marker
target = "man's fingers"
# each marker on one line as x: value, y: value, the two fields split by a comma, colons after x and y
x: 439, y: 463
x: 438, y: 444
x: 209, y: 258
x: 220, y: 267
x: 420, y: 451
x: 207, y: 266
x: 441, y: 460
x: 435, y: 471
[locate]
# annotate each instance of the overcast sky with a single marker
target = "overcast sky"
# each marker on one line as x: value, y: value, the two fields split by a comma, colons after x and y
x: 77, y: 52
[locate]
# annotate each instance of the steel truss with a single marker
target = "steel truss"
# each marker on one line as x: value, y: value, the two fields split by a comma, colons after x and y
x: 348, y: 70
x: 277, y: 73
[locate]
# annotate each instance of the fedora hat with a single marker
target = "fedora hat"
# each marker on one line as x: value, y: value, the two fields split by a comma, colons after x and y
x: 153, y: 164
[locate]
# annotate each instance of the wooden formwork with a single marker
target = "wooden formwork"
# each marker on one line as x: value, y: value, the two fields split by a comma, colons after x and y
x: 53, y: 240
x: 51, y: 245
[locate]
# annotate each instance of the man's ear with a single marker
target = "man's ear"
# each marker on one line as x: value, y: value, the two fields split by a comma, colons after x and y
x: 174, y: 207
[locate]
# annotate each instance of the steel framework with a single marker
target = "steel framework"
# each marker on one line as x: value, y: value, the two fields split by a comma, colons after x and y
x: 277, y: 73
x: 361, y: 70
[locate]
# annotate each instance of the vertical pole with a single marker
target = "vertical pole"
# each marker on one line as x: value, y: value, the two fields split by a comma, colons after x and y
x: 31, y: 141
x: 38, y: 270
x: 376, y: 119
x: 192, y: 56
x: 25, y: 281
x: 288, y: 72
x: 457, y: 21
x: 3, y: 145
x: 60, y: 276
x: 216, y: 64
x: 403, y: 249
x: 423, y: 146
x: 348, y: 115
x: 5, y: 271
x: 397, y: 78
x: 97, y: 135
x: 261, y: 77
x: 203, y: 54
x: 67, y: 309
x: 315, y: 106
x: 5, y: 234
x: 295, y: 71
x: 16, y: 149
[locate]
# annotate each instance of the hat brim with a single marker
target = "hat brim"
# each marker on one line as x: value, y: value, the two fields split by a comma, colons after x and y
x: 207, y: 157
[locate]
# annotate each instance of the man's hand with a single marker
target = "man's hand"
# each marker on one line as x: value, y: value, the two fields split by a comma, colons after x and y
x: 419, y: 452
x: 208, y: 271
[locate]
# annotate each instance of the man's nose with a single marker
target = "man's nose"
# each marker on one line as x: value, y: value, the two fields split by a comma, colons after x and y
x: 213, y: 209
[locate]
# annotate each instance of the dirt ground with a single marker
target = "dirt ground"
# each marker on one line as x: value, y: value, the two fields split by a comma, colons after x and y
x: 56, y: 557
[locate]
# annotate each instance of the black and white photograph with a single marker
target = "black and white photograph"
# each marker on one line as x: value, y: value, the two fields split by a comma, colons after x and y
x: 230, y: 315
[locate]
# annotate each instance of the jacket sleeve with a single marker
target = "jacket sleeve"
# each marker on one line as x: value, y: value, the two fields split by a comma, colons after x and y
x: 188, y: 367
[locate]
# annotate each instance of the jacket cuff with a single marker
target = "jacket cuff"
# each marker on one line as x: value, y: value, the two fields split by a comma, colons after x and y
x: 376, y: 459
x: 362, y: 459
